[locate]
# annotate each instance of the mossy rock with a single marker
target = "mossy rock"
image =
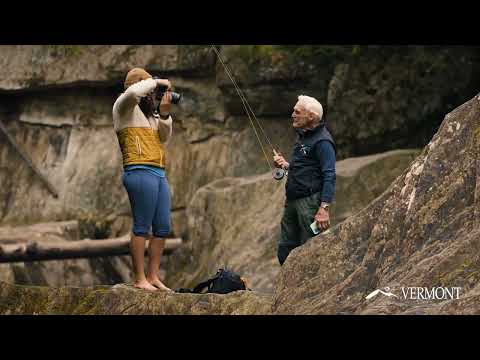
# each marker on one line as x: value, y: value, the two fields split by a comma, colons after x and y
x: 124, y: 299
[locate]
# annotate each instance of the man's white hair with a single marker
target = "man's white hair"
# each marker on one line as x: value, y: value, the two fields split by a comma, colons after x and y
x: 311, y: 104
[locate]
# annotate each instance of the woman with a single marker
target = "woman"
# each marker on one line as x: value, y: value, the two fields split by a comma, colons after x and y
x: 142, y: 134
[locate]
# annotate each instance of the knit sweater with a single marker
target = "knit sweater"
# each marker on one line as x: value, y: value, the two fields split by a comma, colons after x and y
x: 141, y: 139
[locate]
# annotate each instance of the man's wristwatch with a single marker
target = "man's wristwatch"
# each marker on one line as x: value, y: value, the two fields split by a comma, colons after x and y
x: 325, y: 205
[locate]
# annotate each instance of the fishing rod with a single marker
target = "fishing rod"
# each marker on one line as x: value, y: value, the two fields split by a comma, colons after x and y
x: 278, y: 173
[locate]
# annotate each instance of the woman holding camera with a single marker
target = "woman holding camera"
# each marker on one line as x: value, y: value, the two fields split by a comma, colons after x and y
x: 142, y: 134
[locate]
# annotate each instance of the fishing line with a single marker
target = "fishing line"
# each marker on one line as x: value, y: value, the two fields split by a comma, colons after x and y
x: 248, y: 108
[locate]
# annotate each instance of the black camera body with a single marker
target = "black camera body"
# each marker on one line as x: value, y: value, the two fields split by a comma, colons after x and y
x: 176, y: 97
x: 160, y: 90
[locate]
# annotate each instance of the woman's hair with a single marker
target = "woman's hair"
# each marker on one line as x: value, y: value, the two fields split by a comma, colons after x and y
x: 311, y: 104
x: 147, y: 105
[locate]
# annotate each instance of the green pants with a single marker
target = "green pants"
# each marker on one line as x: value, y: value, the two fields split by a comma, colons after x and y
x: 295, y: 228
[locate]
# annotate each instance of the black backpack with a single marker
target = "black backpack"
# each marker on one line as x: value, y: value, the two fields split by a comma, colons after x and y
x: 224, y: 282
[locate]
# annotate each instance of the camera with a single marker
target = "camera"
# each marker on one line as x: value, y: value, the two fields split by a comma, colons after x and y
x: 176, y: 97
x: 160, y: 90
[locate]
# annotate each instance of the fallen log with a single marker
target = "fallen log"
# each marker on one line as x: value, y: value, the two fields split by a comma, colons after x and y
x: 41, y: 251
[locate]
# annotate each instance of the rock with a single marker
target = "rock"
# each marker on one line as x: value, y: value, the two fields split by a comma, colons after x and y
x: 361, y: 179
x: 125, y: 300
x: 375, y: 98
x: 56, y: 101
x: 213, y: 156
x: 235, y: 221
x: 247, y: 157
x: 35, y: 66
x: 380, y: 99
x: 78, y: 272
x: 111, y: 226
x: 60, y: 128
x: 50, y: 232
x: 192, y: 166
x: 270, y: 84
x: 179, y: 223
x: 337, y: 83
x: 6, y: 274
x: 423, y: 231
x: 86, y: 186
x: 221, y: 219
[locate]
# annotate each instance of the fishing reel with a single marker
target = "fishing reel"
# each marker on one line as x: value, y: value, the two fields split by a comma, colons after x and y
x: 278, y: 174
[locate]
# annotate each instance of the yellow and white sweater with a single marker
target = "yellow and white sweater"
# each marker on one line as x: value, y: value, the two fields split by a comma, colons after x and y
x: 141, y: 139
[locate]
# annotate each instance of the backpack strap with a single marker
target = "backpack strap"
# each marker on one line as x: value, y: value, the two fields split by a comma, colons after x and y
x: 198, y: 289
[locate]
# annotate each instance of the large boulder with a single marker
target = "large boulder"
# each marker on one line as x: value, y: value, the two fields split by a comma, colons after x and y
x: 423, y: 231
x: 235, y: 221
x: 361, y: 179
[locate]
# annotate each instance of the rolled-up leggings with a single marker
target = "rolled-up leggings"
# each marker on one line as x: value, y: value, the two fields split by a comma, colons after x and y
x: 149, y: 196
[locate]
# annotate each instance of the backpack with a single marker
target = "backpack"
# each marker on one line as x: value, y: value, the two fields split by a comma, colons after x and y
x: 224, y: 282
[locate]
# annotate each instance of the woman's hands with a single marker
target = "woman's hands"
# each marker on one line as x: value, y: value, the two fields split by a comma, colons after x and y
x: 164, y: 82
x: 166, y: 102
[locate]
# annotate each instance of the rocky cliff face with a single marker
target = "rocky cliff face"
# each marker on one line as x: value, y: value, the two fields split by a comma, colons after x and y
x: 63, y: 121
x: 56, y: 102
x: 423, y: 231
x: 376, y: 98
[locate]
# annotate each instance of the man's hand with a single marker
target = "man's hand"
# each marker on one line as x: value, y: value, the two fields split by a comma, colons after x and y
x: 279, y: 160
x: 322, y: 218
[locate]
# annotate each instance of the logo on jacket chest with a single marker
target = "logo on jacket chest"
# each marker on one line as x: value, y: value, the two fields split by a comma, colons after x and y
x: 304, y: 149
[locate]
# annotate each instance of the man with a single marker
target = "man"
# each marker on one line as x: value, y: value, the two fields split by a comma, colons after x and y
x: 142, y: 134
x: 311, y: 177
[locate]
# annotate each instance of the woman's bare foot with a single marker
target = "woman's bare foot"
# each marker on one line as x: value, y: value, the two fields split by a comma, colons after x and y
x: 144, y: 284
x: 159, y: 285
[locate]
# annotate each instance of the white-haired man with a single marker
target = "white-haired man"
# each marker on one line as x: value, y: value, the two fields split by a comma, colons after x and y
x: 311, y: 177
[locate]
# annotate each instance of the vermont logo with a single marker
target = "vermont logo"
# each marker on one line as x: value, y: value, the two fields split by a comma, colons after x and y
x: 378, y: 291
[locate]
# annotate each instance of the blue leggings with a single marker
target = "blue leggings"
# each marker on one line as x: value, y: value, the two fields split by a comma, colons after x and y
x: 150, y: 201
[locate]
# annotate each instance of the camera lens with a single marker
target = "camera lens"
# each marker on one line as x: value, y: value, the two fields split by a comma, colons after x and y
x: 176, y: 97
